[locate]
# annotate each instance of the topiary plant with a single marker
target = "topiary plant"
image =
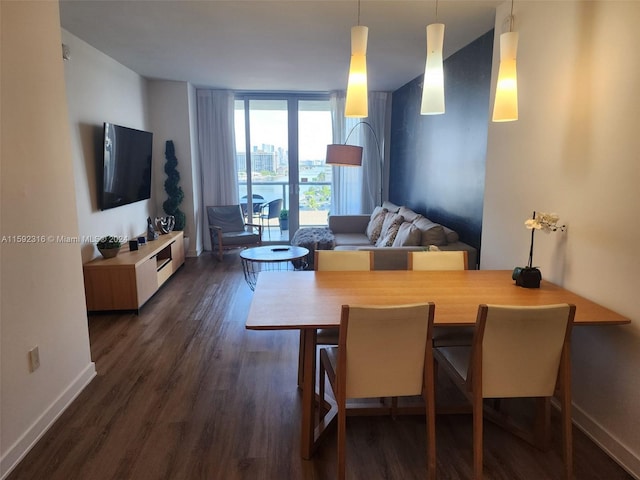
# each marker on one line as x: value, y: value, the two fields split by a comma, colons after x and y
x: 171, y: 187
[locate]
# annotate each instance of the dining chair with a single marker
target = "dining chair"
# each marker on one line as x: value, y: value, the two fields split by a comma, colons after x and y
x: 269, y: 211
x: 443, y: 260
x: 334, y: 260
x: 384, y: 351
x: 440, y: 260
x: 343, y: 260
x: 228, y: 229
x: 516, y: 352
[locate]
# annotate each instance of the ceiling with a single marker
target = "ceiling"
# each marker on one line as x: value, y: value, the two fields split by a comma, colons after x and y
x: 301, y: 45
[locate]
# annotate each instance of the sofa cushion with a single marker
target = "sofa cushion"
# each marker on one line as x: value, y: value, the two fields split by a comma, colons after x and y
x: 374, y: 228
x: 432, y: 233
x: 408, y: 214
x: 452, y: 237
x: 408, y: 235
x: 390, y: 226
x: 392, y: 207
x: 352, y: 239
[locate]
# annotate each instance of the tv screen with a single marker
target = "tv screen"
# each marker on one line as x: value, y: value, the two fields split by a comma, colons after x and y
x: 126, y: 166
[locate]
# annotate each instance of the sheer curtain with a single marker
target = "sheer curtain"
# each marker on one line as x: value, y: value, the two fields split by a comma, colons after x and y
x: 358, y: 190
x: 217, y: 144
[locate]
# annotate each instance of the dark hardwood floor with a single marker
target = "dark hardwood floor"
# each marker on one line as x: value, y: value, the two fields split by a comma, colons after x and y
x: 184, y: 391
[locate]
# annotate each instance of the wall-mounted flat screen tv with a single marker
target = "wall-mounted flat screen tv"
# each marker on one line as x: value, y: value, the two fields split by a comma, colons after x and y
x: 126, y: 166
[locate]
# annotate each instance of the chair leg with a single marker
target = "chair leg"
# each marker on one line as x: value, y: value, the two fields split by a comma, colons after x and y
x: 321, y: 386
x: 477, y: 436
x: 300, y: 361
x: 429, y: 394
x: 567, y: 438
x: 220, y: 251
x: 342, y: 440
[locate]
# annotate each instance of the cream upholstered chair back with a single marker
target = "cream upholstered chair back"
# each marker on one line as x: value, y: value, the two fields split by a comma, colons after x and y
x: 440, y: 260
x: 382, y: 349
x: 343, y: 260
x: 521, y: 349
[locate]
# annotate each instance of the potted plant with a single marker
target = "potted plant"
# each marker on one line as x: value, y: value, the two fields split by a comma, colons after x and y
x: 109, y: 246
x: 530, y: 276
x: 284, y: 219
x: 174, y: 191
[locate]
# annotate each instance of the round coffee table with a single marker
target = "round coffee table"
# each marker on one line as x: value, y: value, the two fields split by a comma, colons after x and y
x: 270, y: 257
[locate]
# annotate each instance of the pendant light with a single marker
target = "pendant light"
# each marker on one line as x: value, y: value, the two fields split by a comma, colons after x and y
x: 357, y: 103
x: 433, y: 85
x: 505, y: 107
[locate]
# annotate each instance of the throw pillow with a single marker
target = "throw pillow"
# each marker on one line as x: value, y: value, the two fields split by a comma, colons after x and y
x: 375, y: 224
x: 432, y: 233
x: 392, y: 207
x: 408, y: 235
x: 390, y: 226
x: 452, y: 236
x: 408, y: 214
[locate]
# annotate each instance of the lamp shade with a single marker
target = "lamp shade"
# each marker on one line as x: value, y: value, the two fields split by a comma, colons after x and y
x: 433, y: 89
x: 344, y: 155
x: 505, y: 107
x: 357, y: 104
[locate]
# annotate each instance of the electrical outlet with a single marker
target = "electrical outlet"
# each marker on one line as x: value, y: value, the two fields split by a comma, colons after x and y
x: 34, y: 359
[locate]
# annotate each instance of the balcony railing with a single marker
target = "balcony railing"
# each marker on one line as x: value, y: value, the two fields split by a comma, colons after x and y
x: 313, y: 213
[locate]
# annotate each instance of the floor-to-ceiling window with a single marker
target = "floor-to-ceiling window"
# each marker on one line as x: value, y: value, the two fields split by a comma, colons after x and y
x: 281, y: 142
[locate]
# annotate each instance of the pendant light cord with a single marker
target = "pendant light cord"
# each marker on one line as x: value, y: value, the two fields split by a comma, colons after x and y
x: 358, y: 12
x: 436, y: 11
x: 511, y: 18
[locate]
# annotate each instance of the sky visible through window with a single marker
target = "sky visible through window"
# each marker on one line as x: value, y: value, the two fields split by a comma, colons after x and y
x: 269, y: 127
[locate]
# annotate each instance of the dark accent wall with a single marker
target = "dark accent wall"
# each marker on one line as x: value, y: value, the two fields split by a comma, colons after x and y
x: 437, y: 162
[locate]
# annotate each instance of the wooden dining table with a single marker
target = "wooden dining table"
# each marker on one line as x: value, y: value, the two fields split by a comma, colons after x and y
x: 308, y: 300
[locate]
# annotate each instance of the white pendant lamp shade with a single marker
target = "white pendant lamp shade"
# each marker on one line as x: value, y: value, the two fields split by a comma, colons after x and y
x: 357, y: 104
x: 433, y: 89
x: 505, y: 107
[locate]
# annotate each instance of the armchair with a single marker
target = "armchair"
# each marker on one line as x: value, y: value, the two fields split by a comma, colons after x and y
x: 228, y: 229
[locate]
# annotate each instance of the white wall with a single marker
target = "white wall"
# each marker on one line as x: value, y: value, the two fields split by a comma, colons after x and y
x: 170, y: 115
x: 99, y: 90
x: 575, y: 150
x: 42, y: 293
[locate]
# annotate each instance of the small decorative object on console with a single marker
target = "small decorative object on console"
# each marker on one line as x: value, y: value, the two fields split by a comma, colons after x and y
x: 109, y: 246
x: 165, y: 224
x: 530, y: 276
x: 151, y: 230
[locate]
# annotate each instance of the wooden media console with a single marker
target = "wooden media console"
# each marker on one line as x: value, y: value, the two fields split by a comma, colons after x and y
x: 128, y: 280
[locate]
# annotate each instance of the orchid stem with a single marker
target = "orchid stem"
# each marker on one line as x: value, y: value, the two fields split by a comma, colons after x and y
x: 533, y: 230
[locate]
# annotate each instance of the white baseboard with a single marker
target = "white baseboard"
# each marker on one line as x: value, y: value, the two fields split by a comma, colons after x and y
x: 622, y: 455
x: 21, y: 447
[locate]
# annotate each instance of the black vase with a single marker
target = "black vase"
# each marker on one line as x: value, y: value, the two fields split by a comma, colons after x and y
x: 527, y: 277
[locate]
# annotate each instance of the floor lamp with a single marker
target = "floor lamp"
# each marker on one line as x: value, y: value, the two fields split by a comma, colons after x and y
x: 344, y: 155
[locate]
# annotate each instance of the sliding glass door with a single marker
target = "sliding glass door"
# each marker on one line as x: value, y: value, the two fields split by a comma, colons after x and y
x: 281, y: 144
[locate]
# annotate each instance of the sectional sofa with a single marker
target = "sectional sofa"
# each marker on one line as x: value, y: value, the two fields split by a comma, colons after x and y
x: 391, y: 231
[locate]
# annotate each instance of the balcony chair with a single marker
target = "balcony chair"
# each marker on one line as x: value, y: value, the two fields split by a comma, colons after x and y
x: 256, y: 201
x: 269, y: 211
x: 404, y: 367
x: 516, y: 352
x: 228, y: 229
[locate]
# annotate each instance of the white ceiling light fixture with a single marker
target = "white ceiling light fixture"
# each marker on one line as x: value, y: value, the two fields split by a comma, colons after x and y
x: 357, y: 102
x: 505, y: 107
x: 433, y: 85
